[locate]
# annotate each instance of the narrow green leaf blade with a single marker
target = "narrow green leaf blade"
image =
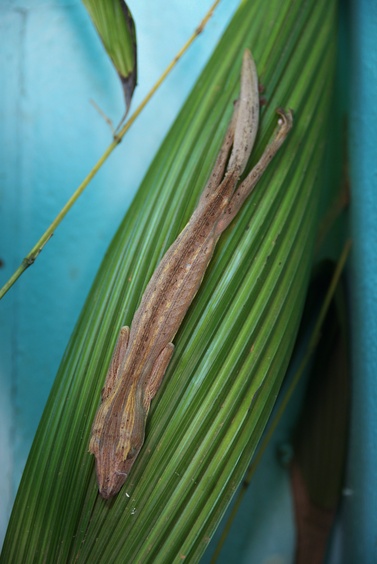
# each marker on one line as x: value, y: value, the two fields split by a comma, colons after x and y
x: 116, y: 28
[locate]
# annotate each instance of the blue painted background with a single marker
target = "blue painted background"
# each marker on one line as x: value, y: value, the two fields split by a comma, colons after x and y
x: 361, y: 507
x: 52, y: 64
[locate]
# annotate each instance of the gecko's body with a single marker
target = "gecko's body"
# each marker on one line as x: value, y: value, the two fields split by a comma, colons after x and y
x: 143, y: 352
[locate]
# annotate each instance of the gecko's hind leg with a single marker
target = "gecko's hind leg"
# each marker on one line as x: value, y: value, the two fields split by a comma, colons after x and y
x: 218, y: 170
x: 248, y: 185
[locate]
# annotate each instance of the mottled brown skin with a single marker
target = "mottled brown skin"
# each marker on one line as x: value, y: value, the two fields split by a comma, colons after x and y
x: 143, y: 352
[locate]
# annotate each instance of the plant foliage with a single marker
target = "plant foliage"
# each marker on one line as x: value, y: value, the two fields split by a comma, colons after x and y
x: 234, y: 346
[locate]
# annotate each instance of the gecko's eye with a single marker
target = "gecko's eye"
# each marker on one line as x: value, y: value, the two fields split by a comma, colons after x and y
x: 132, y: 453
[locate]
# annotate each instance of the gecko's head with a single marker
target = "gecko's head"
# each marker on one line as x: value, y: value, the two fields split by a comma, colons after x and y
x: 112, y: 472
x: 117, y: 438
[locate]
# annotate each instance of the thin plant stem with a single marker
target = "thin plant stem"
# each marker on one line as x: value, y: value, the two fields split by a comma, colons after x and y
x: 35, y: 251
x: 311, y: 346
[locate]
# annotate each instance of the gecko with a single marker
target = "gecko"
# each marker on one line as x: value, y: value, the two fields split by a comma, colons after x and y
x: 143, y: 351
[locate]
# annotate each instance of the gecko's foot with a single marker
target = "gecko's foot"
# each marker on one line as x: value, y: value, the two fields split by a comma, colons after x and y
x: 286, y: 119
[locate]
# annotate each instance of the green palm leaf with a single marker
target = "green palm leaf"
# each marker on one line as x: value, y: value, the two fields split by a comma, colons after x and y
x: 234, y: 346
